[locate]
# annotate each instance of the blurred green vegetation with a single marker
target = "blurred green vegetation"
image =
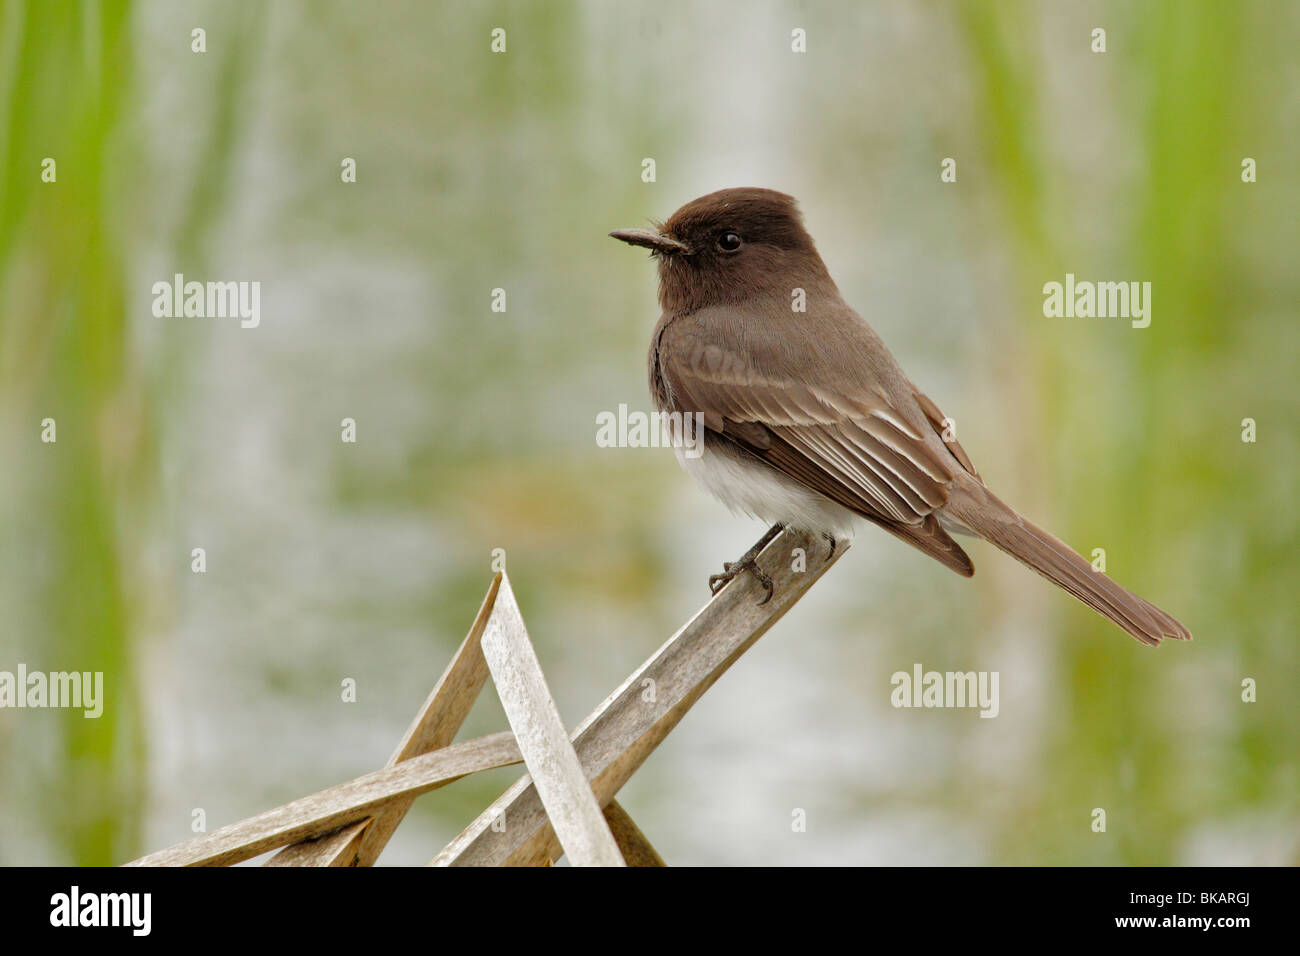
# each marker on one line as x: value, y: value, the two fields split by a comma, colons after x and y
x: 1166, y: 452
x: 478, y: 171
x: 63, y: 322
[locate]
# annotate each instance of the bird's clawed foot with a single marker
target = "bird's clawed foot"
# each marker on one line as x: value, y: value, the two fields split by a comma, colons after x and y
x: 830, y: 539
x: 732, y: 568
x: 748, y: 562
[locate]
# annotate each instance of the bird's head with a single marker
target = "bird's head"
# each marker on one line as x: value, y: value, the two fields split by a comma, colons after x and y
x: 728, y: 246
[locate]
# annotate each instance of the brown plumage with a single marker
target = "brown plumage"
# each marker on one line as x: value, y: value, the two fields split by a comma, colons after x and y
x: 809, y: 419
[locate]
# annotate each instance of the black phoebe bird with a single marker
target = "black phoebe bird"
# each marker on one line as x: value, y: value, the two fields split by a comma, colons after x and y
x: 808, y: 420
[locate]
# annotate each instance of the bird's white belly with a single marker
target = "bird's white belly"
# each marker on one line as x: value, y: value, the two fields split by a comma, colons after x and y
x: 766, y: 493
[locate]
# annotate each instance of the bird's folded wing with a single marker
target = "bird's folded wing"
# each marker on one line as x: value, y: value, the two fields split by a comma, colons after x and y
x: 838, y: 437
x: 815, y: 421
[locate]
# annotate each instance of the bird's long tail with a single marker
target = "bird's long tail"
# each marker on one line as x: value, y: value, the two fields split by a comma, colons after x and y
x: 983, y: 513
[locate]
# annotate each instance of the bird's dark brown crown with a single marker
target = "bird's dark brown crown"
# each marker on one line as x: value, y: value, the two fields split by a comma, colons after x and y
x: 756, y: 215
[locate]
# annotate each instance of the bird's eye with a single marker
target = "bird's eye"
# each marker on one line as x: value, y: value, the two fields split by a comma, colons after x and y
x: 729, y: 242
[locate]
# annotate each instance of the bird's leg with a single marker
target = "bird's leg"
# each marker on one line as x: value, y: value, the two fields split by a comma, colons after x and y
x: 748, y: 563
x: 830, y: 538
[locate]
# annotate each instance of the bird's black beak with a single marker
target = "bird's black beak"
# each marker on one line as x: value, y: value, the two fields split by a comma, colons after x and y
x: 653, y: 240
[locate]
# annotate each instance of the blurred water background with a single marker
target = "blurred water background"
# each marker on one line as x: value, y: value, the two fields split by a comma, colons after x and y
x: 476, y: 430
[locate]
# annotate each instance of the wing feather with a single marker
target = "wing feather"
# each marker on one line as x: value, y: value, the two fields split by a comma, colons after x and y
x: 819, y: 417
